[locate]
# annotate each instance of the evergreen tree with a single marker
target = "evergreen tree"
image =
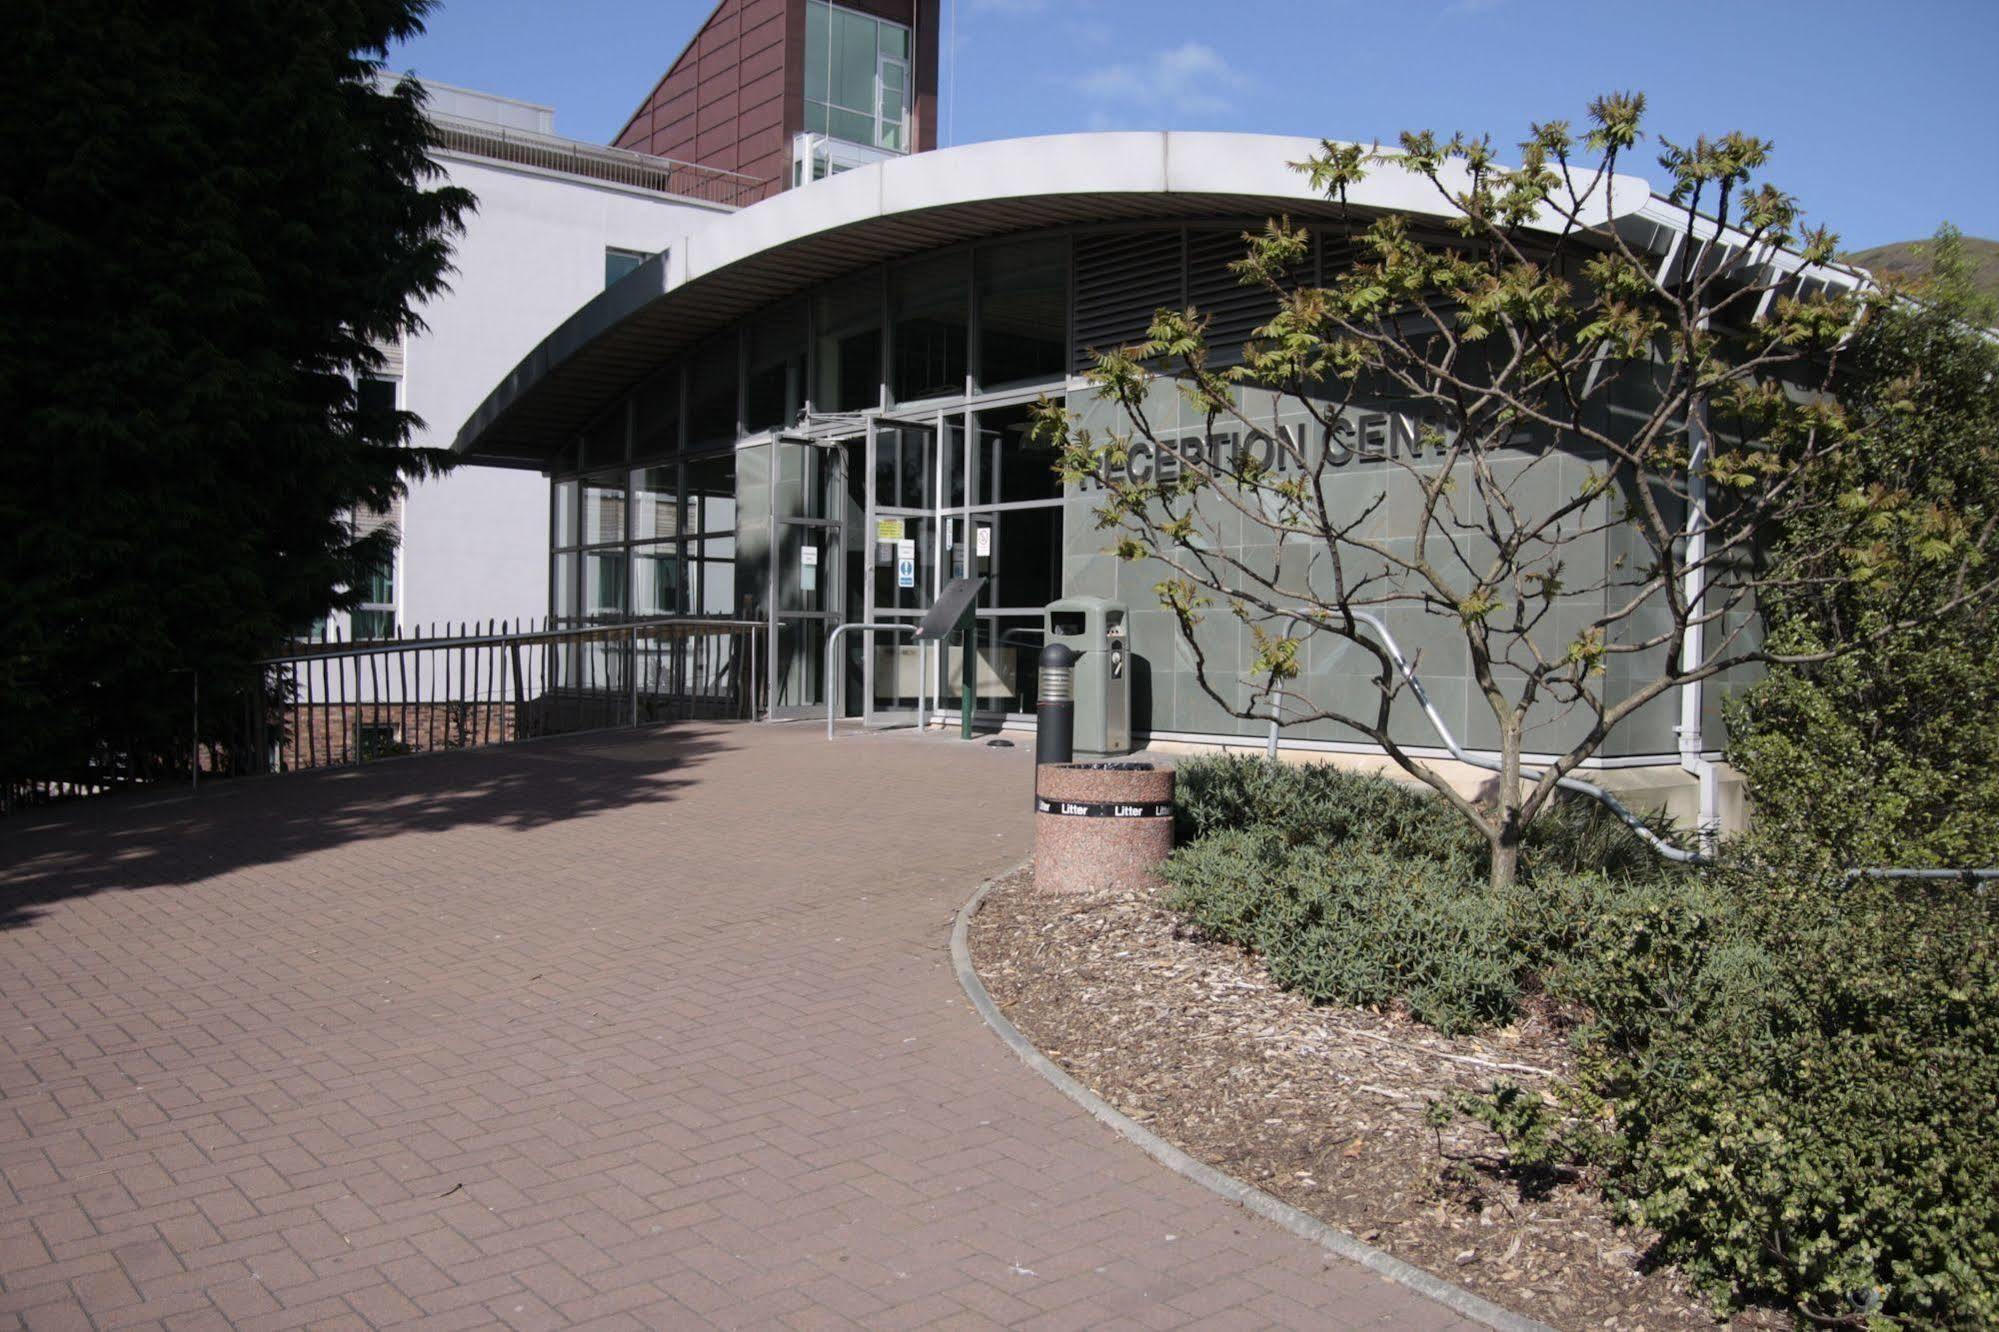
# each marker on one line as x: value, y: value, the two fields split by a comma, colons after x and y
x: 211, y: 217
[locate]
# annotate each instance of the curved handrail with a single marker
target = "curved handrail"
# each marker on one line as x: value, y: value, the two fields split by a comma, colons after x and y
x: 833, y: 641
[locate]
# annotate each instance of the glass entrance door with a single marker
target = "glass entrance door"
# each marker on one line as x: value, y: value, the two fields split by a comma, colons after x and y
x: 810, y: 500
x: 902, y: 570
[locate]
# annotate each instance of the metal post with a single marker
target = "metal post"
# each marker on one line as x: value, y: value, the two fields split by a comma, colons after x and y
x: 968, y: 633
x: 194, y: 739
x: 1055, y: 706
x: 632, y: 669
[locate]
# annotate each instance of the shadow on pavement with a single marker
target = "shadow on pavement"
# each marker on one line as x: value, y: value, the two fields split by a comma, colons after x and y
x: 161, y: 840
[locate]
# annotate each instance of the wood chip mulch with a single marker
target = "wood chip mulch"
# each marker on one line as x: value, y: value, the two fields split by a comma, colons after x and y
x: 1321, y: 1106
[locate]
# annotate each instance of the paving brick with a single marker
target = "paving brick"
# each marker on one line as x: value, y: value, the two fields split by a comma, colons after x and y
x: 639, y: 1030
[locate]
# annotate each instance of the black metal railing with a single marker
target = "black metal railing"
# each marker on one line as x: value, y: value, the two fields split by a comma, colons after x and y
x: 335, y: 703
x: 344, y: 703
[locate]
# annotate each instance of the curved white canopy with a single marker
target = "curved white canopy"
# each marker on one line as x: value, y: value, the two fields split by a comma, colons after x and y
x: 733, y: 263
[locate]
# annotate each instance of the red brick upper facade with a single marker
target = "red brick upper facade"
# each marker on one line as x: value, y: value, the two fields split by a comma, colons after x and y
x: 735, y: 98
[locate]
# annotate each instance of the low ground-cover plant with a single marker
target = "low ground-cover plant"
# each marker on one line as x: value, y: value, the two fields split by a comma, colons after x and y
x: 1790, y: 1074
x: 1365, y: 925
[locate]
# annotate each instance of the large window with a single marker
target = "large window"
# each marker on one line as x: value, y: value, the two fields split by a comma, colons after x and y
x: 847, y: 324
x: 711, y: 392
x: 644, y: 542
x: 1023, y: 311
x: 856, y: 77
x: 932, y: 300
x: 774, y: 390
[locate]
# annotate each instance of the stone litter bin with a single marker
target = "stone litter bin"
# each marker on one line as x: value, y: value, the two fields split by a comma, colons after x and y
x: 1101, y: 825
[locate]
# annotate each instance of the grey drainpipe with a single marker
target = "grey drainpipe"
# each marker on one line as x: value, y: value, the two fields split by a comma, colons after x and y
x: 1693, y: 744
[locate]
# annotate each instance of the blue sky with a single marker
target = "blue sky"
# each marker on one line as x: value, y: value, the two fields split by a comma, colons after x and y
x: 1882, y: 112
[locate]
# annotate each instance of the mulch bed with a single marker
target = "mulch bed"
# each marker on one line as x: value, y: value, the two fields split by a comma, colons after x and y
x: 1321, y: 1106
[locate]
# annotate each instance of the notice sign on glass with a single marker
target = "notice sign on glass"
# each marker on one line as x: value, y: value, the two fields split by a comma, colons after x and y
x: 888, y: 529
x: 905, y: 564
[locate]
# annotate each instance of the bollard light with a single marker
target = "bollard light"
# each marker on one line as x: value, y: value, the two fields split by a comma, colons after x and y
x: 1055, y: 706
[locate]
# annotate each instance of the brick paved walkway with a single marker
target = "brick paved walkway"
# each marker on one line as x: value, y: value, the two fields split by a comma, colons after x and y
x: 649, y: 1030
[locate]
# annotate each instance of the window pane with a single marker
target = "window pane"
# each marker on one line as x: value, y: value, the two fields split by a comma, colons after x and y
x: 604, y: 442
x: 890, y: 595
x: 375, y: 407
x: 657, y: 429
x: 815, y: 121
x: 373, y: 623
x: 655, y: 503
x: 1023, y: 311
x: 604, y: 583
x: 847, y: 318
x: 711, y: 495
x: 853, y: 126
x: 1009, y: 465
x: 603, y: 510
x: 1026, y: 560
x: 658, y: 579
x: 904, y: 466
x: 894, y: 39
x: 565, y: 513
x: 893, y: 102
x: 711, y: 394
x: 714, y: 563
x: 853, y: 63
x: 618, y: 263
x: 562, y: 596
x: 931, y: 301
x: 816, y: 45
x: 775, y: 390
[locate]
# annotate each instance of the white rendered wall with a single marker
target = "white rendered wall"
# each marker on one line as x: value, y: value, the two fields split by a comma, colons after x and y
x: 475, y: 543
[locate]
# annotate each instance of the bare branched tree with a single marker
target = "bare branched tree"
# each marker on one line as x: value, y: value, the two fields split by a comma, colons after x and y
x: 1696, y: 388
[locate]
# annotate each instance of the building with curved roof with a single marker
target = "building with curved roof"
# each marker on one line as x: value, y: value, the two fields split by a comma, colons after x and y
x: 813, y: 411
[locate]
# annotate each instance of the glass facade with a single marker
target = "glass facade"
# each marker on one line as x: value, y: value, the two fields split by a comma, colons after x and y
x: 836, y: 456
x: 674, y: 501
x: 857, y: 77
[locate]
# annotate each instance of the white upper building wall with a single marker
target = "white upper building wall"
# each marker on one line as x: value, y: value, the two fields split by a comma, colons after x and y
x: 475, y: 542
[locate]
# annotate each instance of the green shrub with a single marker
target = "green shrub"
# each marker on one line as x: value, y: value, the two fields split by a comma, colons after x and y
x: 1805, y: 1078
x: 1791, y: 1076
x: 1362, y: 926
x: 1315, y: 803
x: 1321, y: 804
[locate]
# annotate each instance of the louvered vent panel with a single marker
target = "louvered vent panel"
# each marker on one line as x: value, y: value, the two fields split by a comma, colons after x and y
x: 1234, y: 311
x: 392, y: 359
x: 1122, y: 278
x: 368, y: 519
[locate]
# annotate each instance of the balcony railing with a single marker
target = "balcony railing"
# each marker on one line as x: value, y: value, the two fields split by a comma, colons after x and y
x: 621, y: 166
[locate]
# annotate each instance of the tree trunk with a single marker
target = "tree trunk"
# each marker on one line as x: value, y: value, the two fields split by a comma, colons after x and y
x: 1505, y: 860
x: 1506, y: 814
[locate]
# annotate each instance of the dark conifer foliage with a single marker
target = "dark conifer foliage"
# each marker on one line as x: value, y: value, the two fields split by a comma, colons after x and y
x: 209, y: 218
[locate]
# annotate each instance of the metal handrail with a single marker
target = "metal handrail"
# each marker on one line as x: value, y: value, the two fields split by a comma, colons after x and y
x: 1678, y: 855
x: 1316, y: 618
x: 833, y: 641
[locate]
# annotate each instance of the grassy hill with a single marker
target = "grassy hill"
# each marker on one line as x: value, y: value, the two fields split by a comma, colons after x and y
x: 1901, y: 257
